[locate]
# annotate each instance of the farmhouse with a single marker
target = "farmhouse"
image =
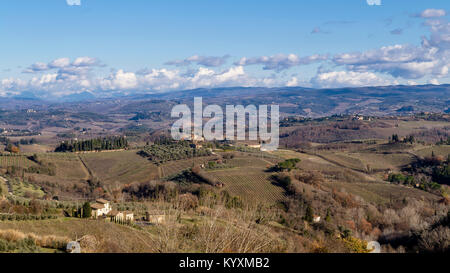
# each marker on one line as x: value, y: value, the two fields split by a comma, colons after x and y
x: 128, y: 216
x: 100, y: 208
x: 115, y: 215
x: 155, y: 217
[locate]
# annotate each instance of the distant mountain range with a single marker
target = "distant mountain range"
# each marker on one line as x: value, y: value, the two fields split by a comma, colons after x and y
x: 385, y: 100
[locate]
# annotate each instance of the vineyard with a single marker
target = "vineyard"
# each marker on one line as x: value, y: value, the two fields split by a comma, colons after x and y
x: 21, y: 161
x: 174, y: 167
x: 122, y: 167
x: 252, y: 185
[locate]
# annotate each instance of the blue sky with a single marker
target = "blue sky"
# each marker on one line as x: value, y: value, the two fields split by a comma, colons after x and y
x: 56, y: 47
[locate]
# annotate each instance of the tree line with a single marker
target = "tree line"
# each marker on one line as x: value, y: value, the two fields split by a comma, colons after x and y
x: 96, y: 144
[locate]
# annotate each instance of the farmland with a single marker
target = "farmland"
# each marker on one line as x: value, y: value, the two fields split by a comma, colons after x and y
x: 347, y: 183
x: 173, y: 167
x: 110, y: 237
x: 15, y: 160
x: 122, y: 167
x: 248, y: 179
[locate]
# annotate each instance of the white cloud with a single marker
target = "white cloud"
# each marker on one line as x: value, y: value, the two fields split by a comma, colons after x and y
x: 73, y: 2
x: 281, y: 61
x: 36, y: 67
x: 79, y: 64
x: 124, y: 80
x: 373, y: 2
x: 292, y: 82
x: 433, y: 81
x: 347, y: 79
x: 406, y: 61
x: 71, y: 79
x: 59, y: 63
x: 85, y: 61
x: 432, y: 13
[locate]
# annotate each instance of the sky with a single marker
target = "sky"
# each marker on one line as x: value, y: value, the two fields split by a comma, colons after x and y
x: 52, y: 48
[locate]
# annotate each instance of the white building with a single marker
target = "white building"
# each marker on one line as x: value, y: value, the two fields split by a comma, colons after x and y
x: 100, y: 208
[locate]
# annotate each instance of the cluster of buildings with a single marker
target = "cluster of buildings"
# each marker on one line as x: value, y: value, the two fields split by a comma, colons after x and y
x: 102, y: 208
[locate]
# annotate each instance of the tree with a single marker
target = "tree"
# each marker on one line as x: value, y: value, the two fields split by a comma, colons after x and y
x: 395, y: 138
x: 87, y: 210
x: 309, y: 215
x: 288, y: 165
x: 282, y: 180
x: 328, y: 217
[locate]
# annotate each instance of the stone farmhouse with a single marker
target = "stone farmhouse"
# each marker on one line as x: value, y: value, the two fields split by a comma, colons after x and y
x: 125, y: 216
x: 100, y: 208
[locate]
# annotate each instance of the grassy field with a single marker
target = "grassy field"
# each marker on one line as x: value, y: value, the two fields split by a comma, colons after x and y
x: 123, y: 167
x: 441, y: 150
x: 25, y: 189
x: 404, y: 128
x: 68, y: 168
x: 111, y: 237
x: 381, y: 193
x: 380, y: 162
x: 345, y: 159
